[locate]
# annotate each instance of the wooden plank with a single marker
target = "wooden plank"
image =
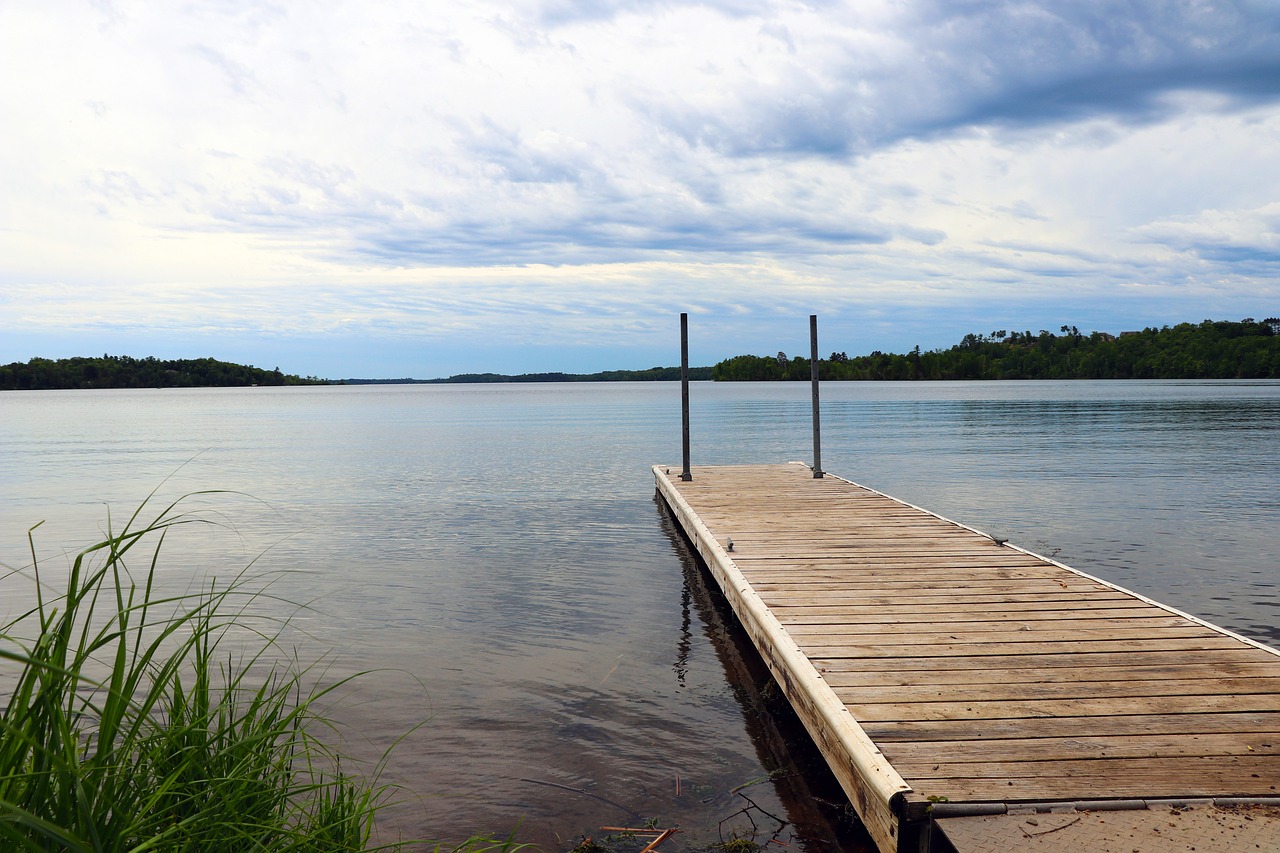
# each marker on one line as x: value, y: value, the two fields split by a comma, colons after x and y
x: 869, y: 712
x: 935, y: 585
x: 897, y: 677
x: 886, y: 550
x: 837, y: 649
x: 1159, y: 767
x: 1045, y: 640
x: 1251, y: 723
x: 1032, y: 604
x: 909, y: 756
x: 850, y: 588
x: 926, y: 570
x: 1046, y: 594
x: 1204, y: 781
x: 960, y: 542
x: 1187, y: 688
x: 1022, y: 660
x: 923, y: 569
x: 1037, y: 632
x: 936, y: 616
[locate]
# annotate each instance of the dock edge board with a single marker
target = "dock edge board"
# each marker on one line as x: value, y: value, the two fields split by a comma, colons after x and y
x: 873, y: 786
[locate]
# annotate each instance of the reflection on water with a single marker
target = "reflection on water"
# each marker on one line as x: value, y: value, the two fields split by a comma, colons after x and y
x: 494, y: 556
x: 815, y: 813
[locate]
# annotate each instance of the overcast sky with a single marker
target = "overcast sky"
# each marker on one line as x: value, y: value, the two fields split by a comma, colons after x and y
x: 387, y: 189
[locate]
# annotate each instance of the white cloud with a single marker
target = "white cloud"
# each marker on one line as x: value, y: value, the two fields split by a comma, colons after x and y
x: 1248, y: 239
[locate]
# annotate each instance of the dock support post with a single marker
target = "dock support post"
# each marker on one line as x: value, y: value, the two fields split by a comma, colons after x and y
x: 813, y: 373
x: 686, y: 475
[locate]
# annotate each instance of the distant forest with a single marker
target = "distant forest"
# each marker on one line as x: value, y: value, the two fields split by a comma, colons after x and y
x: 1249, y: 349
x: 121, y: 371
x: 652, y: 374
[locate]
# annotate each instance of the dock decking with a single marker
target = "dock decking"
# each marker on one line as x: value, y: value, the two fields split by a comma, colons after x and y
x: 941, y: 672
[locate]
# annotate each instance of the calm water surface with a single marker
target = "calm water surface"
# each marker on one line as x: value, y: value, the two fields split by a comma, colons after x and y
x: 495, y: 554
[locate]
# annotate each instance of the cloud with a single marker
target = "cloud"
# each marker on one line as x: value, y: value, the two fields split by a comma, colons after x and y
x: 1248, y: 241
x: 1020, y: 65
x: 1029, y: 64
x: 328, y: 167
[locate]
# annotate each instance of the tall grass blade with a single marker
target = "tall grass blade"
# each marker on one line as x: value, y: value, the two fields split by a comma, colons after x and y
x: 128, y: 730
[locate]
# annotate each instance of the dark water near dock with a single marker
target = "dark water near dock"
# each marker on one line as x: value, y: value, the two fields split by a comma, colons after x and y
x: 496, y: 555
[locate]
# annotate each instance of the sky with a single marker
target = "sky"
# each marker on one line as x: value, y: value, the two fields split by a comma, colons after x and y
x: 417, y: 189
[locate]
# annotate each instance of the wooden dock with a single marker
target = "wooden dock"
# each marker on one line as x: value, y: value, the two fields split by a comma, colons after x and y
x: 946, y: 676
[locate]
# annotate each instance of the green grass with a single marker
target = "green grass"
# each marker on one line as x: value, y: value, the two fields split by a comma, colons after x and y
x: 131, y: 722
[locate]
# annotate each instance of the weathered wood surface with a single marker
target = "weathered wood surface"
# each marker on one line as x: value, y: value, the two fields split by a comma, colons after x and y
x: 874, y: 788
x: 981, y: 672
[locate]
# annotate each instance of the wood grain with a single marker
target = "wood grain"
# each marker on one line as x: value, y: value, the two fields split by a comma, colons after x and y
x: 974, y: 671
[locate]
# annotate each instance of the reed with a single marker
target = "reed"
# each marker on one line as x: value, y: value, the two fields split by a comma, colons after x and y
x: 132, y: 723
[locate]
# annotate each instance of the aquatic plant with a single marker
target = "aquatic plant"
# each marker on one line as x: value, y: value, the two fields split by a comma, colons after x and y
x: 133, y: 723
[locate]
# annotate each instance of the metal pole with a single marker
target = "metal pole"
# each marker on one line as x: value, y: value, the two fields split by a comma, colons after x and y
x: 684, y: 392
x: 813, y: 373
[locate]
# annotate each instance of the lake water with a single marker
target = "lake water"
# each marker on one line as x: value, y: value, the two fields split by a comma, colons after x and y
x: 495, y: 554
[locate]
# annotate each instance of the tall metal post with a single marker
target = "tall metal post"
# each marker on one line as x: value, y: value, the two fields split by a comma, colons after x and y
x: 686, y: 475
x: 813, y: 373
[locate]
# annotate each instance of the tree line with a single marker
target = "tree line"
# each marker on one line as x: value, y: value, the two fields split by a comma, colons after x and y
x: 651, y: 374
x: 122, y: 371
x: 1213, y: 349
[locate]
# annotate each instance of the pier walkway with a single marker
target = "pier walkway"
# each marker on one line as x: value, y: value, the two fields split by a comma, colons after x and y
x: 959, y: 686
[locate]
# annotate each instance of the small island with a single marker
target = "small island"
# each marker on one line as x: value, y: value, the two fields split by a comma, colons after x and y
x: 122, y: 371
x: 652, y: 374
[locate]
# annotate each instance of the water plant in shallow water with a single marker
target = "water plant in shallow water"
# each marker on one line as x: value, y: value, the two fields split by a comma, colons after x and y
x: 131, y: 723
